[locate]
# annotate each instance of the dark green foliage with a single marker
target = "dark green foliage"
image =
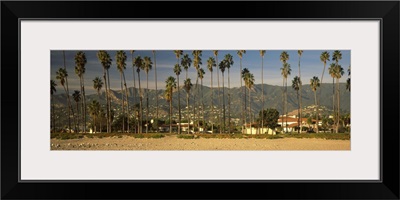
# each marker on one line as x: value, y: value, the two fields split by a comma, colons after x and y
x: 271, y: 117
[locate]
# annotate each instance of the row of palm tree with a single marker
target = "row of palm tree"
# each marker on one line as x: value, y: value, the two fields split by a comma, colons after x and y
x: 145, y: 64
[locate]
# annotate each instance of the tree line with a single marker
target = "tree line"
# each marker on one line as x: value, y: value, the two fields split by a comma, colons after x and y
x: 77, y: 115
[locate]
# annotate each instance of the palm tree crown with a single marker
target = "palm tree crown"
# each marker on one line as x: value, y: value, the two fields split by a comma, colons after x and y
x: 296, y: 83
x: 104, y: 58
x: 147, y: 64
x: 97, y: 84
x: 53, y: 85
x: 61, y: 75
x: 314, y: 83
x: 121, y: 60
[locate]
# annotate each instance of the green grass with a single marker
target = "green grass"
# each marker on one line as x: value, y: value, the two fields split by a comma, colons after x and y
x: 327, y: 136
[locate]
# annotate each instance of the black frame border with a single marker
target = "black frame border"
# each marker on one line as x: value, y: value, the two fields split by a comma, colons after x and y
x: 387, y: 12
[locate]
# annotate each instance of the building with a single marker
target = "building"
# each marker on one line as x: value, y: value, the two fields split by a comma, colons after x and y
x: 255, y: 129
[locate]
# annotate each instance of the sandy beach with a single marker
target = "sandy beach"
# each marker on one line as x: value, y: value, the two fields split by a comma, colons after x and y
x: 174, y: 143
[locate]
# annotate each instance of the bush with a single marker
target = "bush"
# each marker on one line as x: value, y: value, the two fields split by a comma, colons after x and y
x: 187, y: 136
x: 151, y: 135
x: 327, y: 136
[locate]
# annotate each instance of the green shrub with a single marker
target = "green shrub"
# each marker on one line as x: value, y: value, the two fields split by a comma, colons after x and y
x: 327, y: 136
x: 187, y: 136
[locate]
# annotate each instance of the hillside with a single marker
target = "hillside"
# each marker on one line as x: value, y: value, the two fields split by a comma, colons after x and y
x: 273, y: 99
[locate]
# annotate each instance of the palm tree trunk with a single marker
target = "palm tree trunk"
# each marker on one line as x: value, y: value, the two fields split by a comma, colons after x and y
x: 338, y: 105
x: 251, y: 128
x: 52, y: 114
x: 283, y: 103
x: 140, y: 105
x: 262, y: 94
x: 194, y: 105
x: 155, y: 73
x: 245, y: 106
x: 187, y: 109
x: 298, y: 113
x: 66, y: 90
x: 134, y: 96
x: 109, y: 101
x: 333, y: 96
x: 286, y: 109
x: 170, y: 114
x: 223, y: 101
x: 300, y: 101
x: 84, y: 100
x: 106, y: 97
x: 241, y: 99
x: 179, y: 107
x: 123, y: 105
x: 315, y: 99
x: 147, y: 102
x: 202, y: 105
x: 77, y: 114
x: 127, y: 100
x: 229, y: 103
x: 212, y: 104
x: 219, y: 99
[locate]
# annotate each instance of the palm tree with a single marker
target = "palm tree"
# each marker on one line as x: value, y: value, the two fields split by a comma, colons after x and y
x: 285, y: 71
x: 105, y: 61
x: 121, y: 66
x: 300, y: 52
x: 324, y: 58
x: 229, y: 62
x: 101, y: 118
x: 215, y: 52
x: 62, y: 75
x: 338, y: 74
x: 177, y: 71
x: 169, y: 88
x: 332, y: 72
x: 348, y: 81
x: 210, y: 65
x: 186, y: 62
x: 155, y: 76
x: 70, y: 105
x: 200, y: 74
x: 97, y: 85
x: 262, y: 53
x: 196, y: 63
x: 336, y: 56
x: 53, y: 90
x: 80, y: 62
x: 296, y: 85
x: 222, y: 67
x: 249, y: 83
x: 188, y: 85
x: 94, y: 108
x: 77, y: 98
x: 314, y: 83
x: 134, y: 85
x: 244, y: 73
x: 240, y: 54
x: 138, y: 63
x: 147, y: 67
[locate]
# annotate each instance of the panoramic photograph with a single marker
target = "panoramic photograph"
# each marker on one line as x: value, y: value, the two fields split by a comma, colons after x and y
x: 200, y: 100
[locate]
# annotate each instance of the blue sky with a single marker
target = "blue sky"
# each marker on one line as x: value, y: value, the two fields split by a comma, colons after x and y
x: 310, y: 66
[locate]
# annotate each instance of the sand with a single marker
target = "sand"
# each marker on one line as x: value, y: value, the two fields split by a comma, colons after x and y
x: 174, y: 143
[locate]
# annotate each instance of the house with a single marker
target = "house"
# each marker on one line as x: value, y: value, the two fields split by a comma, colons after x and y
x: 165, y: 128
x: 293, y: 122
x: 255, y: 129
